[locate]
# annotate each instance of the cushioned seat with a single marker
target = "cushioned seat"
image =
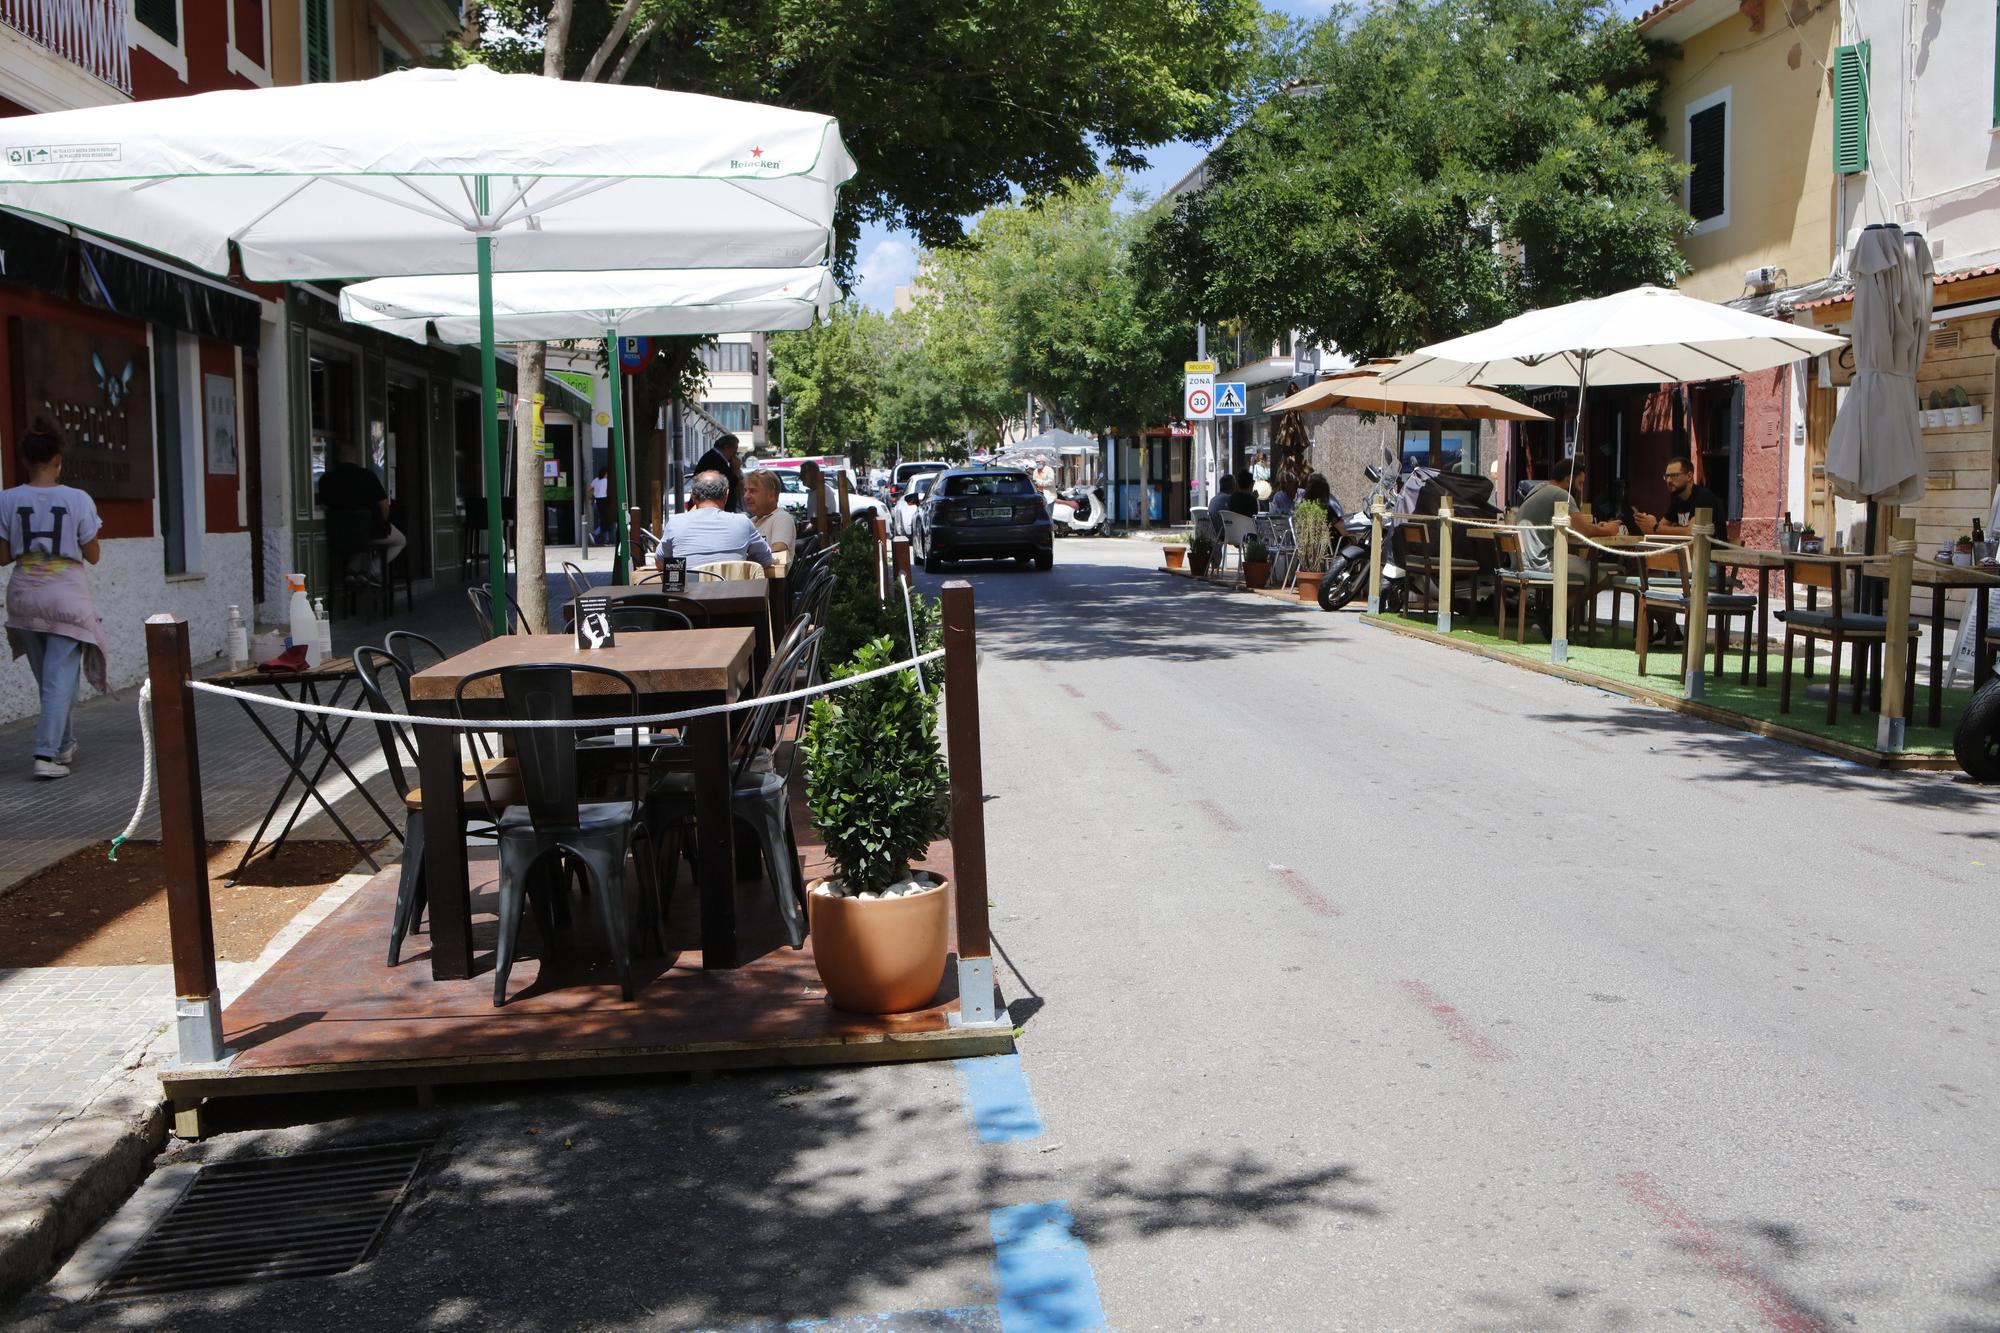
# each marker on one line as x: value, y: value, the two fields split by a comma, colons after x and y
x: 591, y: 816
x: 1717, y: 601
x: 1850, y: 622
x: 504, y: 789
x: 1577, y: 574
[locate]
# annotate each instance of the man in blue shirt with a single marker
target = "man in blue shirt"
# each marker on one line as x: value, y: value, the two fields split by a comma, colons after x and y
x: 708, y: 532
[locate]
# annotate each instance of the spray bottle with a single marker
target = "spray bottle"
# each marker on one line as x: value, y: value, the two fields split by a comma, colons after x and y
x: 322, y: 632
x: 239, y: 640
x: 300, y: 615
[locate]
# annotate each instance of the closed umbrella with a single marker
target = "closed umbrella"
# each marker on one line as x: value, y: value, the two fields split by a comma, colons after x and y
x: 541, y: 307
x: 438, y: 171
x: 1876, y: 450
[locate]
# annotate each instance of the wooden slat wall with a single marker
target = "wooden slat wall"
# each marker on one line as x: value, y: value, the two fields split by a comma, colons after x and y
x: 1961, y: 458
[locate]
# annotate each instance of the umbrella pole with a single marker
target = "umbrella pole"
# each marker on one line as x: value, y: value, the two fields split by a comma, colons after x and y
x: 489, y: 428
x: 621, y: 560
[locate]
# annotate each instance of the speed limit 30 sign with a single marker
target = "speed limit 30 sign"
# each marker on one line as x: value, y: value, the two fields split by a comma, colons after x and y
x: 1198, y: 397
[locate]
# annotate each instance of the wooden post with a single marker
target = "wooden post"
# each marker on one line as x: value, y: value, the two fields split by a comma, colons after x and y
x: 968, y: 809
x: 641, y: 557
x: 815, y: 486
x: 899, y: 554
x: 841, y: 496
x: 183, y: 841
x: 1559, y: 585
x: 1444, y: 566
x: 880, y: 531
x: 1694, y: 672
x: 1374, y: 556
x: 1896, y: 641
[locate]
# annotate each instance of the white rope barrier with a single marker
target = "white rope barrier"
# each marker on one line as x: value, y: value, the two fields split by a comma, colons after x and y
x: 562, y: 724
x: 910, y: 620
x: 146, y: 781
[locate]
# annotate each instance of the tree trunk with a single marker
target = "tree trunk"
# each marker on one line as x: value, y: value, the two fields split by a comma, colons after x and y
x: 530, y: 560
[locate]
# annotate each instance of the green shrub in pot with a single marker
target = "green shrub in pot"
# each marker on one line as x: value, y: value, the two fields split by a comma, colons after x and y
x: 1312, y: 533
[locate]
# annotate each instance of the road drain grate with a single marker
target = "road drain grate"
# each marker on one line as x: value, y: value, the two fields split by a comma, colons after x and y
x: 282, y: 1217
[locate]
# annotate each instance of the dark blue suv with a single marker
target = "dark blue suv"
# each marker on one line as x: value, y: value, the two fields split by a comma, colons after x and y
x: 985, y: 513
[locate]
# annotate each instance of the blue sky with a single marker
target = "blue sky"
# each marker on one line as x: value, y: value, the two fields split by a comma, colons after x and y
x: 885, y: 259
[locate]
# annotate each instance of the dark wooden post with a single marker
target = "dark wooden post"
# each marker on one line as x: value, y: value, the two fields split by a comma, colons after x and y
x: 880, y: 531
x: 809, y: 476
x: 899, y: 553
x: 183, y: 841
x: 968, y: 808
x: 641, y: 557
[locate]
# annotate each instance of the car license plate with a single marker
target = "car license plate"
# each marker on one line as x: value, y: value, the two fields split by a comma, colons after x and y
x: 1004, y: 511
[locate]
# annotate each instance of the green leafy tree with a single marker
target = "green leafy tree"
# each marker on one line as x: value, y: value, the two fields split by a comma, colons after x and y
x: 1437, y: 166
x: 830, y: 379
x: 856, y: 616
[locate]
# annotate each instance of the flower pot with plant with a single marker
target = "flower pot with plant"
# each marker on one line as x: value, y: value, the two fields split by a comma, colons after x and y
x: 1200, y: 550
x: 1177, y: 553
x: 879, y: 795
x: 1256, y: 562
x: 1312, y: 533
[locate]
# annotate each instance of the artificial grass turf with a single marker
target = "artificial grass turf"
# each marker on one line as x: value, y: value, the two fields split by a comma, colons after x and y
x: 1613, y: 659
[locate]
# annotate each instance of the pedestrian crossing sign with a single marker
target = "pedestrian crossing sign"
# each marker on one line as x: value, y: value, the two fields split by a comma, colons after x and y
x: 1229, y: 399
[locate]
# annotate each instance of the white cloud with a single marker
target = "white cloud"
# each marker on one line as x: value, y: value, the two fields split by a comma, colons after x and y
x: 890, y: 262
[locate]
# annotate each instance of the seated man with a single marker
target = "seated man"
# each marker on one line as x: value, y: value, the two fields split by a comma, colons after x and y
x: 708, y: 532
x: 1242, y: 496
x: 1684, y: 496
x: 760, y: 500
x: 1537, y: 547
x: 347, y: 487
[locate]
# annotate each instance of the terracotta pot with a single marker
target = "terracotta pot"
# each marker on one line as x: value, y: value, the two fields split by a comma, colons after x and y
x: 1199, y: 564
x: 1176, y: 556
x: 1256, y: 573
x: 884, y: 955
x: 1309, y: 584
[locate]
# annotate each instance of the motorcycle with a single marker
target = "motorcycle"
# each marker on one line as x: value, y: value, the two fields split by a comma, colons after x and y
x: 1080, y: 511
x: 1347, y: 573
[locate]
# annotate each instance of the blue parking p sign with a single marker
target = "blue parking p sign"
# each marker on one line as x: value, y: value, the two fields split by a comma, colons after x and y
x: 1229, y: 400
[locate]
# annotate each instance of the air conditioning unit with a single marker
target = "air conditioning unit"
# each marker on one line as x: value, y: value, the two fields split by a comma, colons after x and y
x: 1767, y: 278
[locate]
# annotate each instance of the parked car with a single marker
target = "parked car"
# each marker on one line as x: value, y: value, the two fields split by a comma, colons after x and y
x: 983, y: 513
x: 907, y: 472
x: 792, y: 493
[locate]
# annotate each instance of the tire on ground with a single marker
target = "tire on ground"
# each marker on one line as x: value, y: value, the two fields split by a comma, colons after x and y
x: 1976, y: 743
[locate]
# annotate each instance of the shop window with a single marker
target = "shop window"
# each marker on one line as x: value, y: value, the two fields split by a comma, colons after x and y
x: 1708, y: 137
x: 730, y: 416
x: 334, y: 389
x: 177, y: 435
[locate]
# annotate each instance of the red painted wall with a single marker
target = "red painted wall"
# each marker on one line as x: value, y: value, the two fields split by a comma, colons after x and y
x: 1765, y: 427
x: 205, y: 38
x: 219, y: 488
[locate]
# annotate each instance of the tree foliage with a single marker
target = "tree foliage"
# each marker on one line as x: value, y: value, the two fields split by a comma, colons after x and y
x: 1438, y: 166
x: 829, y: 380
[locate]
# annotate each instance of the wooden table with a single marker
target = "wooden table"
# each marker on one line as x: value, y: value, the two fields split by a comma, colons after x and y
x: 1939, y: 578
x: 674, y: 670
x: 730, y: 604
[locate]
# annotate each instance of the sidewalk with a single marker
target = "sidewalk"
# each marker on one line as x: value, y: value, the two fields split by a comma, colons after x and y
x: 77, y: 1043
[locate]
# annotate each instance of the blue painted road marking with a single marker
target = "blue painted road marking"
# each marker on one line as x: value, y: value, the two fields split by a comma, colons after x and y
x: 1043, y: 1271
x: 996, y: 1093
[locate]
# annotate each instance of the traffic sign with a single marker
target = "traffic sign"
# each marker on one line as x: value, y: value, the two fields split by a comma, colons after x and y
x: 1198, y: 396
x: 1305, y: 360
x: 633, y: 353
x: 1198, y: 367
x: 1230, y: 399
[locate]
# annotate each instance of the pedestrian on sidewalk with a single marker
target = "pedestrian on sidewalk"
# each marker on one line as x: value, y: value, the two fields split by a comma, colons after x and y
x: 48, y: 531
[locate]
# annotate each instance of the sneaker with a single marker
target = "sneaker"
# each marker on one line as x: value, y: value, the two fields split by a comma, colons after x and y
x: 67, y: 755
x: 49, y: 768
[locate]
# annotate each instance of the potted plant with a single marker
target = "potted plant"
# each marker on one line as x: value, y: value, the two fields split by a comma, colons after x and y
x: 879, y: 795
x: 1312, y: 532
x: 1176, y: 552
x: 1200, y: 550
x: 1256, y: 562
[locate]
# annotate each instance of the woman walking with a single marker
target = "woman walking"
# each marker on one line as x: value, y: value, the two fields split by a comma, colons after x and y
x: 49, y: 532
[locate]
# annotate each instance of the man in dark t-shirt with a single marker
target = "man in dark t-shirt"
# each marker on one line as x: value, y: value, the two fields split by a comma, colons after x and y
x: 1684, y: 497
x: 348, y: 486
x: 722, y: 458
x: 1242, y: 500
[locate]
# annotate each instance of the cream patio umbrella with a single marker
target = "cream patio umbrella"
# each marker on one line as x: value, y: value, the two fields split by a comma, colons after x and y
x: 438, y: 171
x: 1876, y: 450
x: 1364, y: 391
x: 544, y: 307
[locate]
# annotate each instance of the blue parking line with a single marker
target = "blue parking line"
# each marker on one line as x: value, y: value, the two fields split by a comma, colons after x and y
x: 1044, y: 1275
x: 997, y: 1097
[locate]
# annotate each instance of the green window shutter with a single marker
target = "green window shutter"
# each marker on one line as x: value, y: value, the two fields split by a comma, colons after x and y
x: 319, y: 42
x: 1850, y: 108
x: 162, y: 16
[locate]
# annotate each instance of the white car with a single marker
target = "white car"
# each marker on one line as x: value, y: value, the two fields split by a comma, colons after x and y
x: 792, y: 495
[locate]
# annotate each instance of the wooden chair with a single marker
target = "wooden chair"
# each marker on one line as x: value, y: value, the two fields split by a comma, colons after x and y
x: 1837, y: 625
x: 1511, y: 575
x: 1421, y: 553
x: 1663, y: 582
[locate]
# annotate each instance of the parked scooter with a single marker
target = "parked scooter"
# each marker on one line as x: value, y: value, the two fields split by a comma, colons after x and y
x: 1080, y: 511
x: 1347, y: 573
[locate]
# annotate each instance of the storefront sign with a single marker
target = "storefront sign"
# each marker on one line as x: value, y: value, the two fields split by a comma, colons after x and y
x: 97, y: 391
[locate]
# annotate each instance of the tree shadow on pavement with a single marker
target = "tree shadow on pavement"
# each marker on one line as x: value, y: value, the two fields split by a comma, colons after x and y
x: 666, y: 1205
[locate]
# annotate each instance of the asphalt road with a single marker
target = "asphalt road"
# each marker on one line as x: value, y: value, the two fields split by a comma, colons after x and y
x: 1363, y: 985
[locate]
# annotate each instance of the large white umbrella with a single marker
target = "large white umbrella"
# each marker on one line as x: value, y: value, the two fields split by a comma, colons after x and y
x: 438, y: 171
x: 1876, y: 450
x: 1647, y: 335
x: 542, y: 307
x: 1058, y: 441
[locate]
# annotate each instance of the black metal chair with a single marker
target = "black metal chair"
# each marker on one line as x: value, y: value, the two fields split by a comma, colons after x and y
x: 694, y: 611
x: 481, y: 599
x: 759, y: 785
x: 579, y: 582
x: 553, y: 823
x: 385, y: 683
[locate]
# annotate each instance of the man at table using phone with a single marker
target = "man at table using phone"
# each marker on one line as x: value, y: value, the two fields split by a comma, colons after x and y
x: 708, y: 532
x: 1684, y: 497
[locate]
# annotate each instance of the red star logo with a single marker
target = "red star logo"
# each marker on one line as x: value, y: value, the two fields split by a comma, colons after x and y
x: 756, y: 152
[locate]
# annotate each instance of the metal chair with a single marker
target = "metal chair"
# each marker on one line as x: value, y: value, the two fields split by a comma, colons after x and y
x: 694, y: 611
x: 482, y: 609
x: 1236, y: 530
x: 552, y: 822
x: 579, y: 582
x: 385, y: 683
x: 759, y: 785
x: 626, y: 615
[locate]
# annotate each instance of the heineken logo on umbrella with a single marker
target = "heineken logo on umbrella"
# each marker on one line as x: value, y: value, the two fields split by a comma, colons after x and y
x: 756, y: 161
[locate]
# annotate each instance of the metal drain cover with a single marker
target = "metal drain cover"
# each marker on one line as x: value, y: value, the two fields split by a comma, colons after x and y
x: 279, y: 1217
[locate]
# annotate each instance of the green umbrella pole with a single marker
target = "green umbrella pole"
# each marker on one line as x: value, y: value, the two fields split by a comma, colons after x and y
x: 621, y: 561
x: 489, y: 430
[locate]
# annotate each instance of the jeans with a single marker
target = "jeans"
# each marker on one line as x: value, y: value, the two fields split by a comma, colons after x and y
x: 57, y: 661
